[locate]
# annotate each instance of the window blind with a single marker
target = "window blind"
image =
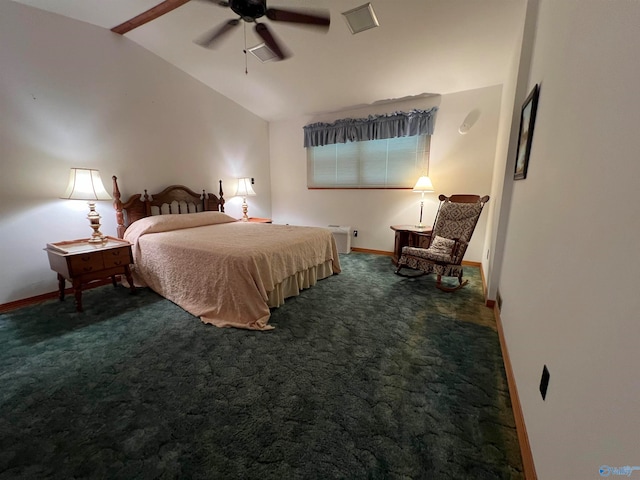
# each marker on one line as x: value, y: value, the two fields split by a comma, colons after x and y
x: 387, y: 163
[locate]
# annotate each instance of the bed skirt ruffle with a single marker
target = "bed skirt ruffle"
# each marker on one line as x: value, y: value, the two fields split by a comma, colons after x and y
x: 291, y: 286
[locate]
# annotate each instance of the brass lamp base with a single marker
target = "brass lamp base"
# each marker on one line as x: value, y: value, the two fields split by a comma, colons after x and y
x: 245, y: 209
x: 420, y: 224
x: 94, y: 221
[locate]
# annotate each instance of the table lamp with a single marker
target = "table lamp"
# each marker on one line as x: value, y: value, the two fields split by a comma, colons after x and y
x: 423, y: 185
x: 86, y: 184
x: 244, y: 190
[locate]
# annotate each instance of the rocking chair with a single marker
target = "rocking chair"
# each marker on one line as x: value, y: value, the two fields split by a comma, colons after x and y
x: 452, y: 229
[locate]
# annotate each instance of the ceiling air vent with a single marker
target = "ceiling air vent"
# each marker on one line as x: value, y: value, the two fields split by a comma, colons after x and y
x: 262, y: 53
x: 361, y: 18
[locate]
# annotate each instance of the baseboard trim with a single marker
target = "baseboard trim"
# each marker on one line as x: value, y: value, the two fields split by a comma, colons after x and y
x: 25, y: 302
x: 523, y: 438
x: 390, y: 254
x: 471, y: 264
x: 488, y: 303
x: 374, y: 252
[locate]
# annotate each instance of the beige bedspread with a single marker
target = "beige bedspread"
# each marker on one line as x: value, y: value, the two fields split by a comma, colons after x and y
x: 224, y: 271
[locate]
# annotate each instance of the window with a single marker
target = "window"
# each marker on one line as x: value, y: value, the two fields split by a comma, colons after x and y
x: 387, y: 163
x: 380, y: 151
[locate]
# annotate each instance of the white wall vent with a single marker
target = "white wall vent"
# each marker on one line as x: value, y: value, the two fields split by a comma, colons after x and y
x: 262, y: 53
x: 361, y: 18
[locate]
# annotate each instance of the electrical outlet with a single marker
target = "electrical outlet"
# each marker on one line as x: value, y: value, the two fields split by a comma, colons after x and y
x: 355, y: 233
x: 544, y: 382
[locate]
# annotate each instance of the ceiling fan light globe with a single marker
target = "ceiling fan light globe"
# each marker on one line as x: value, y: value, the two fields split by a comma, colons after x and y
x: 249, y: 10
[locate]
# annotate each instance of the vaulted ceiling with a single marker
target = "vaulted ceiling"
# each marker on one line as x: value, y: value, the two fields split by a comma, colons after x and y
x: 421, y: 46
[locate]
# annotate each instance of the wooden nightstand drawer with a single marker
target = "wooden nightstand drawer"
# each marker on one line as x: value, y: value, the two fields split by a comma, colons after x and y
x: 117, y: 257
x: 85, y: 263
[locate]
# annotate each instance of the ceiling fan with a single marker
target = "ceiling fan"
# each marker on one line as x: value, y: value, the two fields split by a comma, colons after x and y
x: 248, y: 10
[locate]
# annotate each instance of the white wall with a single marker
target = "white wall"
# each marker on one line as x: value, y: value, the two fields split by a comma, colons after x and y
x: 76, y: 95
x: 569, y: 279
x: 459, y: 164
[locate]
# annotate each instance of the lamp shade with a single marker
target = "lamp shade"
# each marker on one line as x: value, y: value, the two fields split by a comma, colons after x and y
x: 85, y: 184
x: 244, y: 188
x: 423, y: 185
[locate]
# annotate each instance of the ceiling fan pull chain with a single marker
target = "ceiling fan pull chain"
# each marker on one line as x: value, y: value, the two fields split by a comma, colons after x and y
x: 246, y: 67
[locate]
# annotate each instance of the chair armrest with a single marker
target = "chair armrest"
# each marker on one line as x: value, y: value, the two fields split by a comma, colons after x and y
x: 459, y: 248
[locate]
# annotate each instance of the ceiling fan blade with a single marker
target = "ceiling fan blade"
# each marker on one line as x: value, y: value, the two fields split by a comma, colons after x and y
x: 209, y: 38
x: 151, y: 14
x: 280, y: 15
x: 270, y: 41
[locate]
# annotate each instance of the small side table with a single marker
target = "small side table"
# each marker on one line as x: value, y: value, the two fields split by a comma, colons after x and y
x: 409, y: 236
x: 82, y: 262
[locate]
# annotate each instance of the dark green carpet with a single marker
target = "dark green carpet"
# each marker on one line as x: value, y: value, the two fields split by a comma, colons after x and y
x: 367, y: 375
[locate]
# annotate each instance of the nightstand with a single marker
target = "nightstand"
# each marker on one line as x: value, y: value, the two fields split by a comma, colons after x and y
x: 259, y: 220
x: 82, y: 262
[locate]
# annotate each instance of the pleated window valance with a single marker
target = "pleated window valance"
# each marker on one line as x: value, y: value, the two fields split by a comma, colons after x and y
x: 374, y: 127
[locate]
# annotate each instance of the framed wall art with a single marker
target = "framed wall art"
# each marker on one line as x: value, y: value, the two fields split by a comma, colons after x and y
x: 527, y: 122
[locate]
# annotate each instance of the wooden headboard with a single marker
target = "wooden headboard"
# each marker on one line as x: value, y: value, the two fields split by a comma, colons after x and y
x: 173, y: 199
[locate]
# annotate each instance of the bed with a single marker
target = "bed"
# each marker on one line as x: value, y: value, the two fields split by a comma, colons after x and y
x: 227, y: 272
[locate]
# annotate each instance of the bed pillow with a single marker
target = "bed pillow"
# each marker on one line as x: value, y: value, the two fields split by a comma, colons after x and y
x: 442, y: 246
x: 176, y: 221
